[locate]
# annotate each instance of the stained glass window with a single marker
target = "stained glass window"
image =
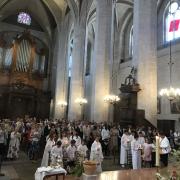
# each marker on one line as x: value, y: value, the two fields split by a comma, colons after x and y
x: 24, y: 18
x: 172, y: 22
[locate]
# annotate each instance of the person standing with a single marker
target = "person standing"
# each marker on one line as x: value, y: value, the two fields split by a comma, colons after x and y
x: 57, y: 154
x: 136, y: 152
x: 165, y: 149
x: 96, y: 154
x: 2, y: 147
x: 105, y: 134
x: 49, y: 145
x: 125, y: 141
x: 14, y: 144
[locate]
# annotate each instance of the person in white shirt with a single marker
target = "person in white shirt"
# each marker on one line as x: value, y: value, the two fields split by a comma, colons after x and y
x: 96, y: 154
x: 57, y: 153
x: 125, y: 142
x: 141, y: 139
x: 75, y: 137
x: 176, y: 138
x: 105, y: 134
x: 49, y: 145
x: 165, y: 149
x: 71, y: 153
x: 136, y: 152
x: 82, y: 149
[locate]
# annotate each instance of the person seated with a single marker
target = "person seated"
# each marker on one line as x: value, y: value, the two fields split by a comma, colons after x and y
x: 57, y: 154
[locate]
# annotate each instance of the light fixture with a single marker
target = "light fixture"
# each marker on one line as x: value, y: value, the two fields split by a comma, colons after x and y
x: 171, y: 93
x: 111, y: 99
x: 62, y: 103
x: 81, y: 101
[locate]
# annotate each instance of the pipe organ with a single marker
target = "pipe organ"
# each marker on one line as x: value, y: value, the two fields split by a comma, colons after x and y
x: 23, y: 76
x: 24, y: 58
x: 23, y: 55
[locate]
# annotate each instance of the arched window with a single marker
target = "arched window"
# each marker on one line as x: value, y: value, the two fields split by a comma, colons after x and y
x: 131, y: 42
x: 172, y: 21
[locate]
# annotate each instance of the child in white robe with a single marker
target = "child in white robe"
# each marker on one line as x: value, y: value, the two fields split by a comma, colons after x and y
x: 82, y: 150
x: 96, y: 154
x: 56, y: 154
x: 71, y: 151
x: 136, y: 152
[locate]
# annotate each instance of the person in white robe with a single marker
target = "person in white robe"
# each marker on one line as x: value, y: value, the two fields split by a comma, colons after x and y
x: 82, y: 149
x: 75, y: 137
x: 57, y: 154
x: 165, y: 149
x: 71, y: 154
x: 141, y: 138
x: 136, y: 152
x: 125, y: 142
x: 96, y: 154
x: 14, y: 144
x: 49, y: 145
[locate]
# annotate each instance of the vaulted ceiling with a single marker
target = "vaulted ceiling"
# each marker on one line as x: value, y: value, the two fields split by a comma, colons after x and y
x: 47, y: 13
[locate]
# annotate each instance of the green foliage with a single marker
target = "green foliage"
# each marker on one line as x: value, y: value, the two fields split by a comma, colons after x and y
x: 176, y: 154
x: 78, y: 170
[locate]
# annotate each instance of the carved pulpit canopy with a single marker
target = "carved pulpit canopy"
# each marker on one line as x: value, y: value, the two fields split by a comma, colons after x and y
x: 130, y: 85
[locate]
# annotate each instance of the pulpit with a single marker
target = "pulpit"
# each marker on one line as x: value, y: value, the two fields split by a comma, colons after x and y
x: 125, y: 111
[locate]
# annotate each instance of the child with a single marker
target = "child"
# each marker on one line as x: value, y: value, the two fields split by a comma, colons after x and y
x: 147, y: 156
x: 56, y: 154
x: 82, y: 149
x: 96, y: 154
x: 71, y: 150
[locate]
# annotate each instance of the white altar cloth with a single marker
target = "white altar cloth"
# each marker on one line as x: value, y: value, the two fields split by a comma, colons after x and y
x: 44, y: 171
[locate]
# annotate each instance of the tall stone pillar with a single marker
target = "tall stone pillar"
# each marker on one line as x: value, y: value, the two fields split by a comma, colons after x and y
x: 144, y: 55
x: 61, y: 71
x: 101, y: 61
x: 77, y: 76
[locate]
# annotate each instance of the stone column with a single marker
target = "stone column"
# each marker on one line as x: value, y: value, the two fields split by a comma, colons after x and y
x: 145, y: 55
x: 101, y: 61
x: 61, y: 70
x: 77, y: 76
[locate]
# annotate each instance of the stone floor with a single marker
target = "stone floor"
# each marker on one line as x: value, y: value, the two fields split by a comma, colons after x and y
x: 24, y: 169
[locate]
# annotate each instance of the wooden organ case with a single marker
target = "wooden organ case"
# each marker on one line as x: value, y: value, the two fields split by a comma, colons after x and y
x: 23, y: 73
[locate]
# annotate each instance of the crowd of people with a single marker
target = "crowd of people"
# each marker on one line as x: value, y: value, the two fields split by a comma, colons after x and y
x: 59, y: 141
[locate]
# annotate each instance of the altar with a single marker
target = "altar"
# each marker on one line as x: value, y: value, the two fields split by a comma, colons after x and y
x: 47, y: 173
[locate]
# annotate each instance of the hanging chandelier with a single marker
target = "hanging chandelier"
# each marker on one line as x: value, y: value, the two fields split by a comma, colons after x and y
x: 171, y: 93
x: 111, y: 99
x: 81, y: 101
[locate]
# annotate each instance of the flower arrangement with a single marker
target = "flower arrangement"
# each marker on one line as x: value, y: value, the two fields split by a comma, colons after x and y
x: 173, y: 176
x: 173, y: 173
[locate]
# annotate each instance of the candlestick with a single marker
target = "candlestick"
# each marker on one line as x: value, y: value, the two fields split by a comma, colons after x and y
x: 157, y: 152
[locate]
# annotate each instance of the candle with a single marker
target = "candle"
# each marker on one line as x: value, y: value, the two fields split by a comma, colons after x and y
x: 157, y: 152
